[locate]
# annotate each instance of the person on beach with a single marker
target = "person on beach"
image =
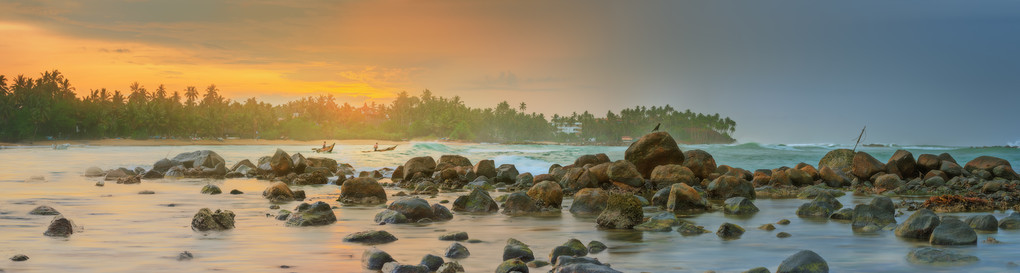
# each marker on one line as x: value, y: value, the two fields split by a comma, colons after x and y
x: 323, y: 145
x: 376, y: 147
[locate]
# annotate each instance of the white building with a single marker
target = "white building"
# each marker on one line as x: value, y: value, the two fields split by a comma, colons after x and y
x: 568, y: 128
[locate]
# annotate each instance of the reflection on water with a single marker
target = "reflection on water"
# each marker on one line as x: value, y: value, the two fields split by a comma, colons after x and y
x: 127, y: 232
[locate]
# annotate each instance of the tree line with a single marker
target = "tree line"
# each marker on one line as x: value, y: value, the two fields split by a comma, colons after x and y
x: 49, y: 107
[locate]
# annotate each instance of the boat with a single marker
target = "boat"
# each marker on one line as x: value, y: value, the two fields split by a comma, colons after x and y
x: 387, y: 149
x: 61, y: 146
x: 327, y: 149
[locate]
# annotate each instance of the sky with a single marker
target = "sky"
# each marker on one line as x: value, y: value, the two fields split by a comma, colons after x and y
x: 797, y: 71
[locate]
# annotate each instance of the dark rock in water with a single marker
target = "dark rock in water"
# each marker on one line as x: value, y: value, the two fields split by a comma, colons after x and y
x: 888, y: 182
x: 94, y: 172
x: 323, y: 162
x: 312, y: 178
x: 661, y: 222
x: 441, y: 213
x: 519, y: 203
x: 512, y: 265
x: 60, y: 227
x: 506, y: 173
x: 525, y: 180
x: 390, y: 217
x: 450, y: 267
x: 739, y: 206
x: 196, y: 159
x: 902, y: 163
x: 839, y: 160
x: 767, y: 227
x: 985, y: 222
x: 663, y: 176
x: 454, y: 236
x: 486, y: 168
x: 413, y: 208
x: 152, y: 174
x: 44, y: 210
x: 374, y: 259
x: 727, y: 186
x: 423, y: 164
x: 589, y: 202
x: 821, y: 207
x: 623, y: 171
x: 884, y: 203
x: 595, y: 247
x: 844, y: 214
x: 299, y: 163
x: 783, y: 222
x: 758, y: 270
x: 869, y: 218
x: 928, y: 162
x: 805, y: 261
x: 457, y: 251
x: 939, y: 257
x: 362, y: 190
x: 919, y: 225
x: 281, y: 163
x: 235, y: 192
x: 699, y: 162
x: 478, y: 201
x: 19, y: 258
x: 1010, y: 222
x: 146, y: 192
x: 729, y: 231
x: 783, y: 235
x: 211, y: 189
x: 432, y: 262
x: 515, y: 249
x: 371, y: 237
x: 683, y: 198
x: 865, y: 166
x: 661, y: 197
x: 316, y: 214
x: 577, y: 247
x: 547, y: 193
x: 952, y: 231
x: 688, y: 229
x: 537, y: 264
x: 395, y: 267
x: 654, y: 149
x: 206, y: 220
x: 129, y: 180
x: 278, y: 192
x: 581, y: 264
x: 185, y: 256
x: 560, y: 251
x: 283, y: 215
x: 623, y: 211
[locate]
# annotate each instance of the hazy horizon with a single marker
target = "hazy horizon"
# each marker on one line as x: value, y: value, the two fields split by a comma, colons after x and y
x: 932, y: 72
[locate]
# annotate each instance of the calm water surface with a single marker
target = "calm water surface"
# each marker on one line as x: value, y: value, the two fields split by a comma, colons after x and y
x: 127, y: 232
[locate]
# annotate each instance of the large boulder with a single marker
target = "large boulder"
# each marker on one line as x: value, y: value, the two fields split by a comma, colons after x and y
x: 449, y: 161
x: 243, y: 166
x: 589, y: 202
x: 278, y: 192
x: 486, y: 168
x: 683, y: 198
x: 799, y: 177
x: 902, y: 163
x: 623, y: 211
x: 727, y: 186
x: 664, y: 176
x: 623, y: 171
x: 919, y: 225
x: 996, y: 166
x: 422, y: 164
x: 952, y: 231
x: 512, y: 265
x: 1010, y: 222
x: 515, y: 249
x: 478, y: 201
x: 163, y: 165
x: 871, y: 218
x: 281, y: 163
x: 700, y: 162
x: 805, y: 261
x: 821, y: 207
x: 590, y: 159
x: 97, y: 172
x: 206, y: 220
x: 654, y: 149
x: 374, y: 259
x: 300, y: 163
x: 986, y: 223
x: 362, y: 190
x: 739, y: 206
x: 831, y: 178
x: 316, y: 214
x: 457, y: 251
x: 838, y: 159
x: 371, y: 237
x: 203, y: 158
x: 547, y: 194
x: 519, y: 203
x: 323, y: 162
x: 506, y: 173
x: 60, y: 227
x: 580, y: 178
x: 413, y: 208
x: 888, y: 182
x: 729, y: 231
x: 928, y: 162
x: 865, y: 166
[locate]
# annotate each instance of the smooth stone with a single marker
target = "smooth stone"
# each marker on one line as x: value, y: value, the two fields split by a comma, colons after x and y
x: 939, y: 257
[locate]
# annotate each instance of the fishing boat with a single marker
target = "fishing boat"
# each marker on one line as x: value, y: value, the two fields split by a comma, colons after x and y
x: 387, y: 149
x: 327, y: 149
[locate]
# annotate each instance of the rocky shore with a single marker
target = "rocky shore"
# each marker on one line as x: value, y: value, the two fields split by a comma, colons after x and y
x: 646, y: 190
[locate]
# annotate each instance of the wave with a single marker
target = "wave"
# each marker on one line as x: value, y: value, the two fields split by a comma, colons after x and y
x: 524, y: 164
x: 431, y: 147
x: 526, y: 151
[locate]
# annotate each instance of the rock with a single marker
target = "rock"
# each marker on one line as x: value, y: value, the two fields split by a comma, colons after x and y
x: 758, y: 270
x: 512, y: 265
x: 314, y: 178
x: 94, y: 172
x: 323, y: 162
x: 519, y: 203
x: 211, y: 189
x: 831, y: 178
x: 729, y: 231
x: 623, y: 171
x: 1010, y: 222
x: 935, y: 182
x: 739, y: 206
x: 767, y: 227
x: 44, y: 210
x: 152, y: 174
x: 457, y: 251
x: 865, y: 166
x: 146, y: 192
x: 236, y: 192
x: 683, y: 198
x: 838, y: 160
x: 844, y: 214
x: 506, y: 173
x: 390, y: 217
x: 584, y: 268
x: 952, y: 231
x: 623, y: 211
x: 129, y: 180
x: 580, y: 178
x: 478, y: 201
x: 799, y: 178
x: 362, y: 190
x: 547, y: 193
x: 60, y: 227
x: 1005, y: 172
x: 432, y: 262
x: 524, y: 179
x: 939, y: 257
x: 727, y: 186
x: 783, y: 235
x: 371, y: 237
x: 985, y: 222
x: 951, y: 169
x: 206, y: 220
x: 441, y: 213
x: 560, y: 251
x: 884, y: 203
x: 515, y: 249
x: 278, y: 192
x: 423, y: 164
x: 595, y: 247
x: 395, y: 267
x: 654, y: 149
x: 374, y: 259
x: 783, y: 222
x: 985, y: 163
x: 902, y: 163
x: 805, y: 261
x: 454, y: 236
x: 664, y: 176
x: 888, y: 182
x: 869, y: 218
x: 577, y: 247
x: 700, y: 163
x: 485, y: 168
x: 662, y: 222
x: 281, y: 163
x: 316, y: 214
x: 413, y: 208
x: 823, y: 206
x: 589, y: 202
x: 688, y: 229
x: 450, y: 267
x: 196, y: 159
x: 19, y: 258
x: 449, y: 161
x: 919, y: 225
x: 185, y: 256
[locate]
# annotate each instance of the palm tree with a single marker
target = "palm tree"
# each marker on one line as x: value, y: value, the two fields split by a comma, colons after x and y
x: 524, y: 106
x: 192, y: 94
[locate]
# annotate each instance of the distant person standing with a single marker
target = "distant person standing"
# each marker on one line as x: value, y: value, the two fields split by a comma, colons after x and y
x: 323, y: 145
x: 376, y: 147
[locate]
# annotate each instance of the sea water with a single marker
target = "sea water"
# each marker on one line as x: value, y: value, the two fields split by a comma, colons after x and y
x: 123, y: 231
